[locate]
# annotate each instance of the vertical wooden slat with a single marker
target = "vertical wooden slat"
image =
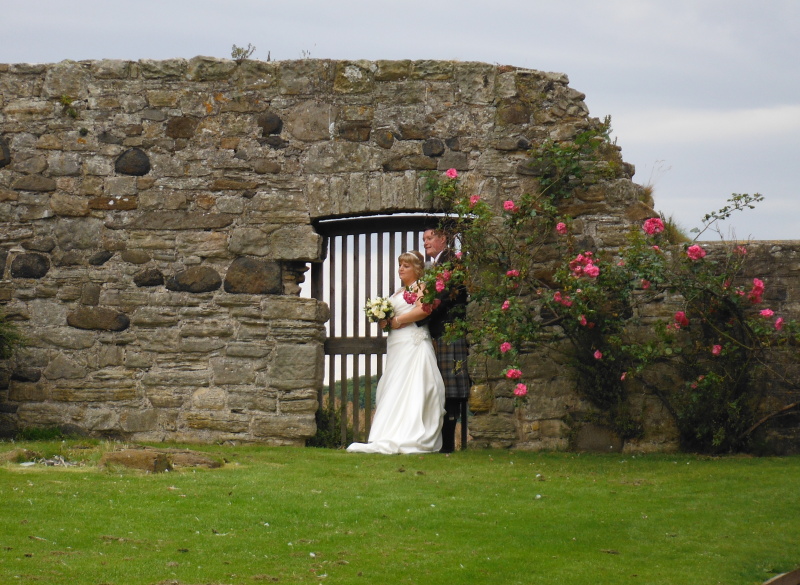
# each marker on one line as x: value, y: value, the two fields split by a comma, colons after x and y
x: 345, y: 277
x: 356, y: 284
x: 368, y: 333
x: 317, y: 293
x: 332, y: 257
x: 392, y: 256
x: 343, y: 397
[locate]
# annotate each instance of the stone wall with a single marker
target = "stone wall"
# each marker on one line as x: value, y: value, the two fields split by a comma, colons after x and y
x: 555, y: 416
x: 157, y: 217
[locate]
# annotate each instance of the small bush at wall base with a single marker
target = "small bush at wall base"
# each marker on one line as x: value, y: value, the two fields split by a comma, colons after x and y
x: 10, y: 337
x: 41, y: 434
x: 329, y: 433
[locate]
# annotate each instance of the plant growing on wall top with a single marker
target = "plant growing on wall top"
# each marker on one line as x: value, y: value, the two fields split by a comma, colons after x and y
x: 240, y: 54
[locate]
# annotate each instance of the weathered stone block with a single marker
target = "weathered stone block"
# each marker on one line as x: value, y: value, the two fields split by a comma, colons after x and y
x: 209, y: 399
x: 232, y: 372
x: 77, y: 234
x: 143, y: 459
x: 296, y: 366
x: 34, y: 183
x: 135, y: 256
x: 148, y: 277
x: 218, y: 421
x: 209, y: 68
x: 197, y: 279
x: 270, y: 123
x: 44, y: 244
x: 65, y: 337
x: 175, y: 220
x: 133, y: 161
x: 354, y: 77
x: 67, y: 78
x: 176, y: 378
x: 284, y: 427
x: 5, y: 153
x: 251, y: 276
x: 207, y: 327
x: 100, y: 318
x: 100, y: 258
x: 25, y: 374
x: 30, y: 265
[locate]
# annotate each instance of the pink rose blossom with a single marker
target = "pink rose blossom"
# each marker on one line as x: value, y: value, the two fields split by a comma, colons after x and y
x: 653, y: 226
x: 591, y: 271
x: 756, y: 292
x: 446, y: 275
x: 681, y: 320
x: 623, y: 376
x: 561, y: 228
x: 716, y: 350
x: 767, y: 313
x: 520, y: 390
x: 409, y: 297
x: 582, y: 320
x: 741, y: 250
x: 451, y: 173
x: 512, y: 273
x: 656, y: 248
x: 459, y: 254
x: 779, y: 323
x: 473, y: 201
x: 509, y: 205
x: 645, y: 284
x: 440, y: 286
x: 513, y: 374
x: 505, y: 346
x: 695, y: 252
x: 598, y: 355
x: 506, y: 305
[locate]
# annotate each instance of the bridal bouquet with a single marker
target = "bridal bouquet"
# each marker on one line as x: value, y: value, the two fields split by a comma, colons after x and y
x: 379, y: 308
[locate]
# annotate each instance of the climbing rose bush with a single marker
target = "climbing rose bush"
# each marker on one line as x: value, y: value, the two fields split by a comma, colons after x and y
x: 714, y: 341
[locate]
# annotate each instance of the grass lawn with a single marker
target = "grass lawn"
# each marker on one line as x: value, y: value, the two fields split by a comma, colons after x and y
x: 292, y: 515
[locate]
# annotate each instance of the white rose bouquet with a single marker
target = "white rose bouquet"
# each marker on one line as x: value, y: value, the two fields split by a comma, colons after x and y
x: 378, y: 309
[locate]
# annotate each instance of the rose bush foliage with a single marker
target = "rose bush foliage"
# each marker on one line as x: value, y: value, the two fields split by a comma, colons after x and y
x: 714, y: 346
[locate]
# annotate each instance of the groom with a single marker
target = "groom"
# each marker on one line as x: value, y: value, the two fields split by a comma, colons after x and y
x: 451, y: 357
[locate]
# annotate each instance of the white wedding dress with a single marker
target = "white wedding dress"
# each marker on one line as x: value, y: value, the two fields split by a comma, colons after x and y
x: 410, y: 395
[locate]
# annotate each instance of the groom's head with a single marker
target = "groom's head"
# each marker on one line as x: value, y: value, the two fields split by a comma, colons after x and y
x: 434, y: 241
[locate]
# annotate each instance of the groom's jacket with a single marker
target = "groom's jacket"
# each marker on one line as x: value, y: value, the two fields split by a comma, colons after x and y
x: 452, y: 302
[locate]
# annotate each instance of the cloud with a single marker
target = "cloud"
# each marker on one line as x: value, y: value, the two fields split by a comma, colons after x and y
x: 709, y: 126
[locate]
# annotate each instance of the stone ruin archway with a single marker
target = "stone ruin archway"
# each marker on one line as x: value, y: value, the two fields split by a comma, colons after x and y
x: 157, y: 218
x: 125, y: 214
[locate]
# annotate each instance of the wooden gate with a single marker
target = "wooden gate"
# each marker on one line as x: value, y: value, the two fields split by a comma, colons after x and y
x: 361, y: 263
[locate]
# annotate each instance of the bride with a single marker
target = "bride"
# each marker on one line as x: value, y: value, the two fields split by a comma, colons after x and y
x: 410, y: 394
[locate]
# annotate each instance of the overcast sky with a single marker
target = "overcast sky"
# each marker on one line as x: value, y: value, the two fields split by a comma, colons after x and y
x: 704, y: 95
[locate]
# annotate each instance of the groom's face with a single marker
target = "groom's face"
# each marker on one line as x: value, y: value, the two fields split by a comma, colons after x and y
x: 433, y: 243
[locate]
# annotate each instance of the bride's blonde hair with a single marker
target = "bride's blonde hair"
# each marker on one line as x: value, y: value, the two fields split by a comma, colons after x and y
x: 415, y: 259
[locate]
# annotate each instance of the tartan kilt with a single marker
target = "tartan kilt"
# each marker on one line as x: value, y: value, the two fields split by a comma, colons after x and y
x: 452, y: 361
